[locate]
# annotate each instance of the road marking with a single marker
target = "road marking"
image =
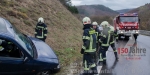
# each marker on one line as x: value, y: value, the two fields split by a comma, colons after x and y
x: 106, y: 53
x: 99, y: 69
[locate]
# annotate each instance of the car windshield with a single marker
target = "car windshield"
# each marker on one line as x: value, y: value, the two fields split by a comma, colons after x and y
x: 23, y: 41
x: 128, y: 19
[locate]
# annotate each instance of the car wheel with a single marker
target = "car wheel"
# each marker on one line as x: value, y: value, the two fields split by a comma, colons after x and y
x: 44, y: 73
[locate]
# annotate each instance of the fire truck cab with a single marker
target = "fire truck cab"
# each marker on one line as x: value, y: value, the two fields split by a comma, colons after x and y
x: 127, y: 24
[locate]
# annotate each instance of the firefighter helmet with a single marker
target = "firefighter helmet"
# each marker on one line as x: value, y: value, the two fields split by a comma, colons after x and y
x: 95, y: 23
x: 41, y: 20
x: 105, y: 24
x: 86, y: 20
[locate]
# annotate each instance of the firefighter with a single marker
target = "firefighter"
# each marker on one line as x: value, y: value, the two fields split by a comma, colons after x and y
x: 112, y: 41
x: 41, y: 29
x: 2, y: 43
x: 104, y: 40
x: 89, y: 47
x: 8, y: 46
x: 96, y: 28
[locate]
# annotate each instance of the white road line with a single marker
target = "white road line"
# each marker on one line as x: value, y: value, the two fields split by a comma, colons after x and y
x: 106, y: 53
x: 99, y: 69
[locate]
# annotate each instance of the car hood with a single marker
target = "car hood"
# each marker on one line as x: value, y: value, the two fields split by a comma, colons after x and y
x: 44, y: 52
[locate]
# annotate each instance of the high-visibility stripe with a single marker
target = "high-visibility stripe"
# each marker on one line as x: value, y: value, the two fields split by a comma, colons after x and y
x: 1, y: 48
x: 9, y: 42
x: 97, y: 37
x: 105, y: 44
x: 100, y: 40
x: 93, y: 65
x: 45, y: 34
x: 108, y: 38
x: 91, y: 42
x: 90, y: 50
x: 104, y: 36
x: 115, y: 51
x: 112, y: 42
x: 116, y: 37
x: 101, y: 59
x: 86, y: 37
x: 96, y: 34
x: 39, y: 36
x: 85, y: 65
x: 83, y: 47
x: 40, y: 27
x: 104, y: 58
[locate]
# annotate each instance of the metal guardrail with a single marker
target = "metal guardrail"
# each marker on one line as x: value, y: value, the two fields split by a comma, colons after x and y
x: 144, y: 32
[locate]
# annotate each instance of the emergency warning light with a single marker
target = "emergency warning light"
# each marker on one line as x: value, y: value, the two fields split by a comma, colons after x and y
x: 135, y: 14
x: 121, y: 14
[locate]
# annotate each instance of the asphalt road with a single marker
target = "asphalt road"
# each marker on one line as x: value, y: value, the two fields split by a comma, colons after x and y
x: 135, y: 63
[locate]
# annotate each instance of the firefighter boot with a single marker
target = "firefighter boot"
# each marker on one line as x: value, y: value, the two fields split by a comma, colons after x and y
x: 87, y: 72
x: 116, y: 56
x: 104, y: 62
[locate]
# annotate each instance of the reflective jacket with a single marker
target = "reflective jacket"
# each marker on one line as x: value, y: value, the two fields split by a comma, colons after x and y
x: 89, y: 39
x: 105, y: 37
x: 41, y: 31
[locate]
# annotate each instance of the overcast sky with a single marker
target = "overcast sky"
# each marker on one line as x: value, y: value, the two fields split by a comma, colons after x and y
x: 113, y: 4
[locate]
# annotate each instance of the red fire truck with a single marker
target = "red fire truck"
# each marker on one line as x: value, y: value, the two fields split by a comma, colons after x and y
x: 127, y: 24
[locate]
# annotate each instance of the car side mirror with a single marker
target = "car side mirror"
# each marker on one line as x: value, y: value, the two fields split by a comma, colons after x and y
x: 26, y: 59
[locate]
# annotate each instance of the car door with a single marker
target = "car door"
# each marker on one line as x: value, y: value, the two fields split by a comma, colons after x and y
x: 10, y: 64
x: 15, y: 65
x: 15, y: 61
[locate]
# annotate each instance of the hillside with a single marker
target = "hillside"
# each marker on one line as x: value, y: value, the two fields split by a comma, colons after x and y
x: 97, y: 13
x: 94, y: 10
x: 144, y: 14
x: 123, y: 10
x: 64, y: 30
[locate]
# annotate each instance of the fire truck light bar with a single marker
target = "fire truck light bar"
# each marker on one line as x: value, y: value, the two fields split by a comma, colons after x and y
x: 135, y: 14
x: 128, y: 14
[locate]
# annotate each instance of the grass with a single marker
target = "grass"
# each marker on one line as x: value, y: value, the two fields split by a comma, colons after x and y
x: 66, y: 57
x: 23, y: 10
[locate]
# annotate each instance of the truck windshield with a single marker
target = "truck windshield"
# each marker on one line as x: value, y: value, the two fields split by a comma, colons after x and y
x: 128, y: 19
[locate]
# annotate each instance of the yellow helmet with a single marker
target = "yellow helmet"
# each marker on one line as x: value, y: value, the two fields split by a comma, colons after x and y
x: 105, y: 24
x: 95, y: 23
x: 86, y: 20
